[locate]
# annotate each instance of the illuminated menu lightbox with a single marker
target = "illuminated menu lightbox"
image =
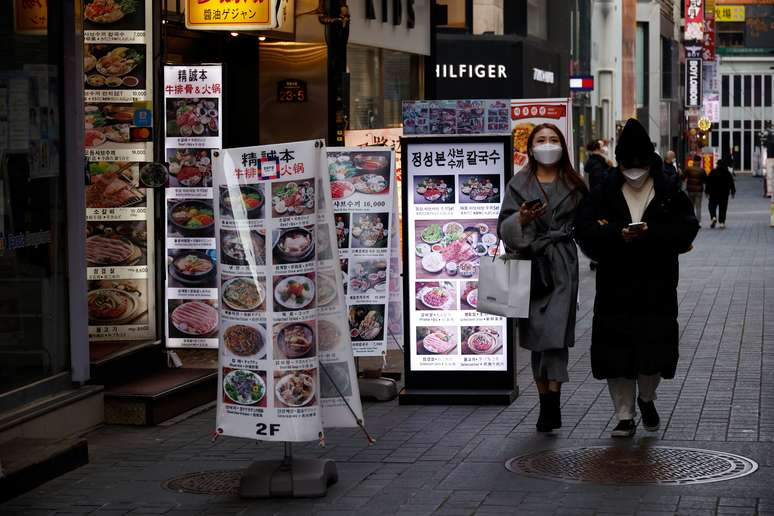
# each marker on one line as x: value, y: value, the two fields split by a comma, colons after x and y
x: 453, y: 189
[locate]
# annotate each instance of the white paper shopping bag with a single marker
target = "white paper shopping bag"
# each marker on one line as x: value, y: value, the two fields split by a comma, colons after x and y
x: 503, y: 287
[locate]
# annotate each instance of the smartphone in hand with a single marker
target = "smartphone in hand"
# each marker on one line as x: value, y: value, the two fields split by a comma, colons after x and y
x: 534, y: 203
x: 636, y: 226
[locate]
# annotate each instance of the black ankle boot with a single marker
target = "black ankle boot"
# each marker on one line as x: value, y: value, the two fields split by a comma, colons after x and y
x: 555, y: 409
x: 544, y: 418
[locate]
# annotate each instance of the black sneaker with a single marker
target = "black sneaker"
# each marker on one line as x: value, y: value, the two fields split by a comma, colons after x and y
x: 625, y: 428
x: 650, y: 419
x: 714, y: 221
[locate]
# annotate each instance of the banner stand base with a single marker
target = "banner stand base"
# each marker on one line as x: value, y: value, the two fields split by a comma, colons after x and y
x: 411, y: 396
x: 297, y: 478
x: 381, y: 389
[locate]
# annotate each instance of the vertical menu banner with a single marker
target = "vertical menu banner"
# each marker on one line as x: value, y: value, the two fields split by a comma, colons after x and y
x: 118, y: 117
x: 192, y: 131
x: 362, y: 182
x: 286, y: 364
x: 453, y: 188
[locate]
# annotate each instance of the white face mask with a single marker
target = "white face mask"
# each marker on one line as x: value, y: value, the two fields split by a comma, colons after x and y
x: 548, y: 153
x: 636, y: 177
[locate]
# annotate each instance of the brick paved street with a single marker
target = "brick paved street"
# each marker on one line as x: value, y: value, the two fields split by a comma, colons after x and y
x: 450, y: 460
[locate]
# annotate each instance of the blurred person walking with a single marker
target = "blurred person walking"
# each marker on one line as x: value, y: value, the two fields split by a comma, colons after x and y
x: 635, y: 226
x: 596, y: 165
x: 535, y: 223
x: 694, y: 178
x: 719, y: 184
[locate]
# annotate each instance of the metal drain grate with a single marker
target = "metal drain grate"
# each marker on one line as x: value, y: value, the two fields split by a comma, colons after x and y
x: 222, y: 482
x: 633, y: 466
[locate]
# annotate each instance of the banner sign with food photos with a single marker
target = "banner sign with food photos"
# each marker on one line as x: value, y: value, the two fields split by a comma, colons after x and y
x: 192, y: 107
x: 453, y: 187
x: 286, y: 363
x: 528, y: 113
x: 118, y: 94
x: 363, y: 193
x: 389, y: 138
x: 423, y: 117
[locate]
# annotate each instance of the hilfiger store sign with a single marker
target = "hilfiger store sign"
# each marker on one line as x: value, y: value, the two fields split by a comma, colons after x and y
x: 470, y: 71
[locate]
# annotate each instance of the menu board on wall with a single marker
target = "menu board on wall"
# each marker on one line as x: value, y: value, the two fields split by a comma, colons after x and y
x: 363, y: 192
x: 192, y: 131
x: 453, y: 189
x: 286, y: 364
x: 118, y: 133
x: 456, y: 116
x: 389, y: 138
x: 528, y: 113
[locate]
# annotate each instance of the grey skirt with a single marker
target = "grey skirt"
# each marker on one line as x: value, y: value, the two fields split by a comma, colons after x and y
x: 550, y: 365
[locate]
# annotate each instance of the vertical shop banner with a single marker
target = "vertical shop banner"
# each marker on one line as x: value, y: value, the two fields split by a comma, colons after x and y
x: 285, y: 353
x: 118, y: 98
x: 192, y: 131
x: 694, y: 21
x: 389, y: 138
x: 526, y: 114
x: 363, y: 193
x: 452, y: 195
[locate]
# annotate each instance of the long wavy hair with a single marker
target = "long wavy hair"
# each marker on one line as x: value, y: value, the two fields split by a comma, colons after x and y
x: 566, y: 171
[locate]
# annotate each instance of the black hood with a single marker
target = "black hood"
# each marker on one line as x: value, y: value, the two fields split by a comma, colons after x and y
x: 634, y: 144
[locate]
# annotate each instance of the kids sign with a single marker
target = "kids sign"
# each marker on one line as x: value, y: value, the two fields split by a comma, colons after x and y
x: 231, y: 14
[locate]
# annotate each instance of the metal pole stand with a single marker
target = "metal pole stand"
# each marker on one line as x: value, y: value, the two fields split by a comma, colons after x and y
x: 288, y: 478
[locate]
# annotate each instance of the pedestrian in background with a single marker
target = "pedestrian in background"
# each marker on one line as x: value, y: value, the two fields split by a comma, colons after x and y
x: 596, y: 165
x: 670, y: 167
x: 635, y: 226
x: 720, y: 183
x: 535, y: 223
x: 694, y: 178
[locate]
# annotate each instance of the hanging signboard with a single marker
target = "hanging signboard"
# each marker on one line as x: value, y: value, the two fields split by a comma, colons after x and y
x: 193, y: 122
x: 528, y: 113
x: 119, y: 215
x: 286, y: 364
x: 694, y: 20
x: 363, y: 192
x: 709, y: 38
x: 451, y: 200
x: 729, y: 13
x: 693, y: 83
x: 233, y: 16
x: 389, y: 138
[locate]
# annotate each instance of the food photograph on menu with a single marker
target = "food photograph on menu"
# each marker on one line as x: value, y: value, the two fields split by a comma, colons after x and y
x: 295, y: 388
x: 294, y: 340
x: 113, y: 185
x: 482, y: 340
x: 482, y: 188
x: 369, y: 230
x: 245, y: 341
x: 324, y: 249
x: 108, y: 123
x: 190, y: 218
x: 116, y: 243
x: 342, y: 230
x: 243, y: 293
x: 329, y: 334
x: 292, y: 198
x: 114, y: 66
x: 435, y: 189
x: 293, y: 245
x: 192, y: 117
x: 326, y: 288
x: 117, y: 302
x: 453, y: 249
x: 437, y: 340
x: 244, y: 387
x: 189, y: 167
x: 469, y: 296
x: 366, y: 322
x: 193, y: 318
x: 368, y: 276
x: 294, y: 292
x: 111, y: 15
x: 243, y: 247
x: 364, y: 172
x: 191, y: 268
x: 242, y: 202
x: 335, y: 380
x: 436, y: 295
